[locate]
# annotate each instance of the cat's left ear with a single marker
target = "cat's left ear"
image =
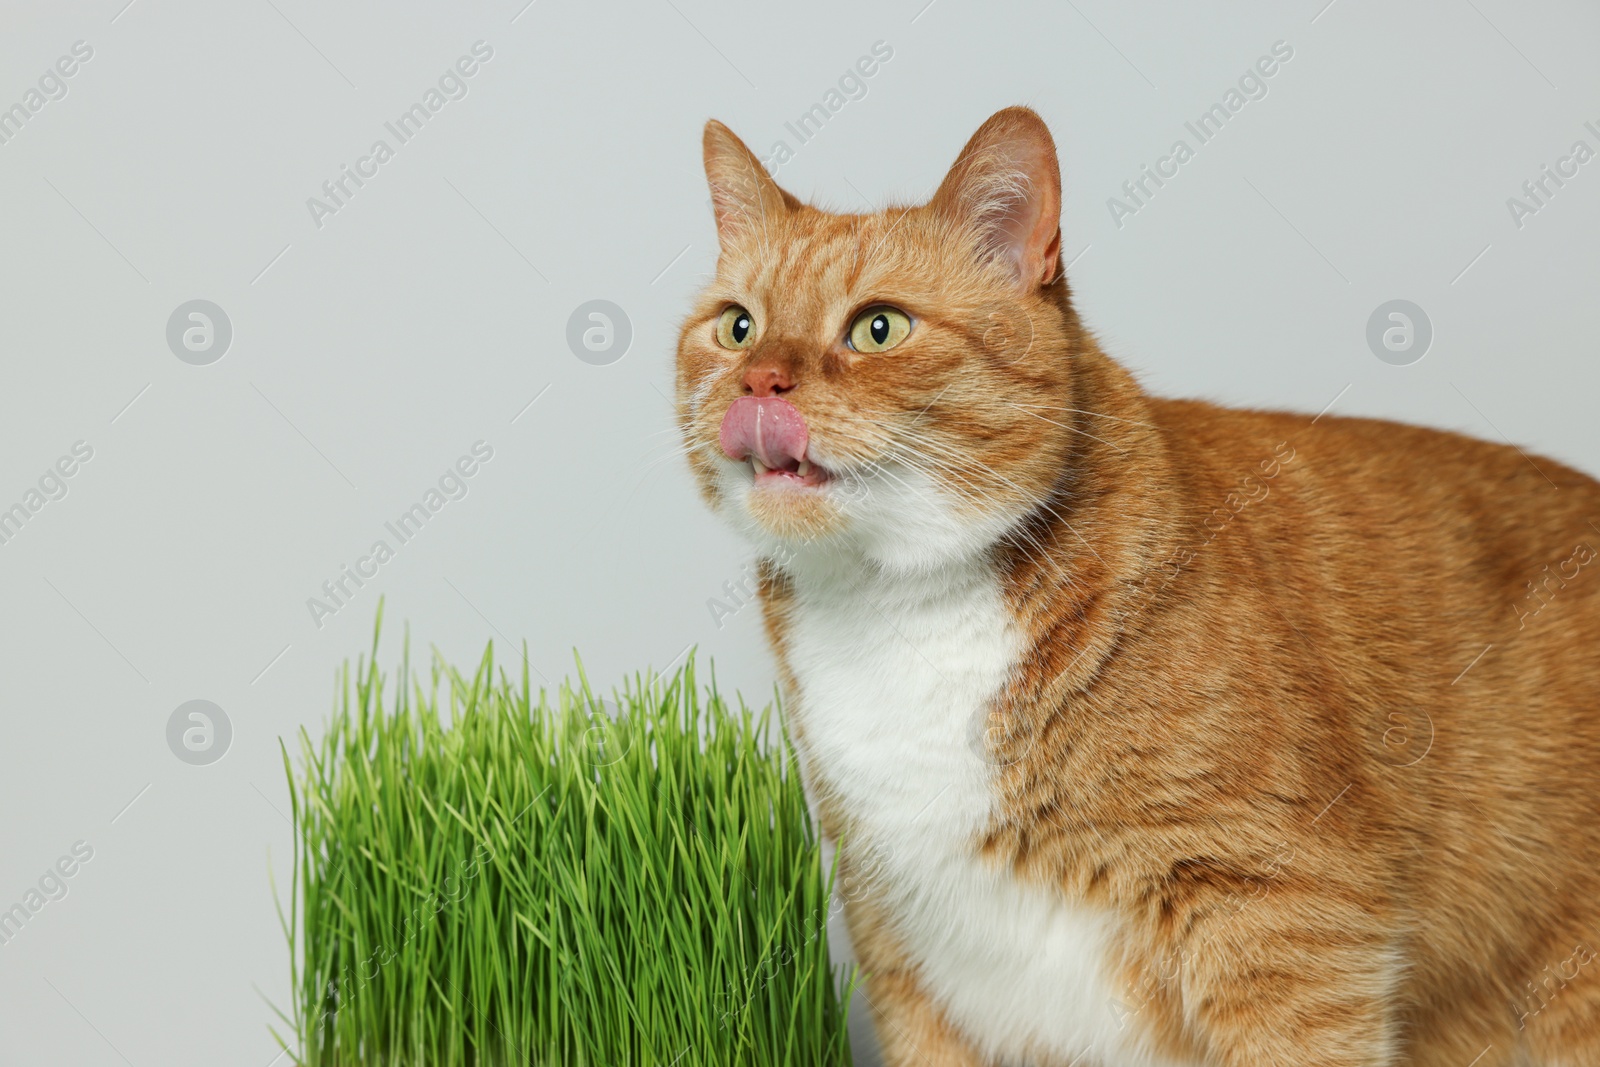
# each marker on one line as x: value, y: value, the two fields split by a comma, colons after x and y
x: 1006, y: 184
x: 743, y: 195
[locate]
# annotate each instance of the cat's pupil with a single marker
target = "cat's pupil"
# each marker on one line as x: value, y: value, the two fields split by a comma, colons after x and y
x: 879, y: 329
x: 741, y: 328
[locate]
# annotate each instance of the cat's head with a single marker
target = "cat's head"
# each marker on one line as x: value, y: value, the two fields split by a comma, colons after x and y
x: 891, y: 384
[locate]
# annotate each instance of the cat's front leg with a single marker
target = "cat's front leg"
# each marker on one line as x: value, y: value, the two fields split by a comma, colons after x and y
x: 1294, y: 980
x: 912, y: 1029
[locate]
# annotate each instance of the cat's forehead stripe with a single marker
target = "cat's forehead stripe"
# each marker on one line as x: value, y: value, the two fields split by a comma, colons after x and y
x: 830, y: 261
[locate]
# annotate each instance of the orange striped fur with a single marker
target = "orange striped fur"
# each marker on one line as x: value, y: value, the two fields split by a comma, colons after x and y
x: 1298, y: 728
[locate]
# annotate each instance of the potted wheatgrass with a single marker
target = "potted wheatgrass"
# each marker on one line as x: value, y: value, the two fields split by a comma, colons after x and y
x: 486, y: 874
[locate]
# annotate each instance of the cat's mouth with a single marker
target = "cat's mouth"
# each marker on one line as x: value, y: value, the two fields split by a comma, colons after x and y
x: 790, y: 472
x: 770, y: 434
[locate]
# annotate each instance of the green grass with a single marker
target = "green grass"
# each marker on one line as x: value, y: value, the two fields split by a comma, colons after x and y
x: 533, y: 880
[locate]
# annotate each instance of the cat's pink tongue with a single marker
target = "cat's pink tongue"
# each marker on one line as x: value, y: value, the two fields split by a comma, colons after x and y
x: 767, y: 427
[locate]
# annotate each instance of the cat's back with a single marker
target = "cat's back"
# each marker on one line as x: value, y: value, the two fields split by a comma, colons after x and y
x: 1450, y: 574
x: 1443, y: 597
x: 1429, y: 502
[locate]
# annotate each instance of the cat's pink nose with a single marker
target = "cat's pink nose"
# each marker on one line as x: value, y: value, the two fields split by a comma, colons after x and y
x: 768, y: 378
x: 766, y: 427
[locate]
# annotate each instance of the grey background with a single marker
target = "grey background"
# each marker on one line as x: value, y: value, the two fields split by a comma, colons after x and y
x: 370, y: 353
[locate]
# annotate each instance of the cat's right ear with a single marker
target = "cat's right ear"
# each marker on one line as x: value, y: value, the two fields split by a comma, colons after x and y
x: 1006, y: 186
x: 743, y: 195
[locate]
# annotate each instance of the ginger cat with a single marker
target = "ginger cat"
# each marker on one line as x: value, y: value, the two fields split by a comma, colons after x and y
x: 1154, y: 733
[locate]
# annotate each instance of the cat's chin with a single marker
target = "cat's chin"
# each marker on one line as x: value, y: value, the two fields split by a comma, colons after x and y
x: 886, y: 516
x: 793, y: 507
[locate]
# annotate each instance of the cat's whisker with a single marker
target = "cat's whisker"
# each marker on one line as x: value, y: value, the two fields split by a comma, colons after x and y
x: 971, y: 463
x: 891, y: 452
x: 650, y: 465
x: 1080, y: 411
x: 665, y: 429
x: 1044, y: 504
x: 1030, y: 545
x: 1074, y: 429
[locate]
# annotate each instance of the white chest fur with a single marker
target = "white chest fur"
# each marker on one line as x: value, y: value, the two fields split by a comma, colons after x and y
x: 896, y: 675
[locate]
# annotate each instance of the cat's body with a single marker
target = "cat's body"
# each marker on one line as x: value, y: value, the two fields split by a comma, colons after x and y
x: 1155, y: 733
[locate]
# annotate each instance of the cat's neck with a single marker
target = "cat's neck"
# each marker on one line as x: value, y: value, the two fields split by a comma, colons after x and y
x: 1085, y: 566
x: 1086, y: 556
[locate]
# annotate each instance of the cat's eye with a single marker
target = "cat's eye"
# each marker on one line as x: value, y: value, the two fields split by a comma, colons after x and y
x: 735, y: 329
x: 879, y: 329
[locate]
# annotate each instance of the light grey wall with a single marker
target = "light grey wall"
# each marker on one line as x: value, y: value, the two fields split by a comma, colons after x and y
x: 429, y: 312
